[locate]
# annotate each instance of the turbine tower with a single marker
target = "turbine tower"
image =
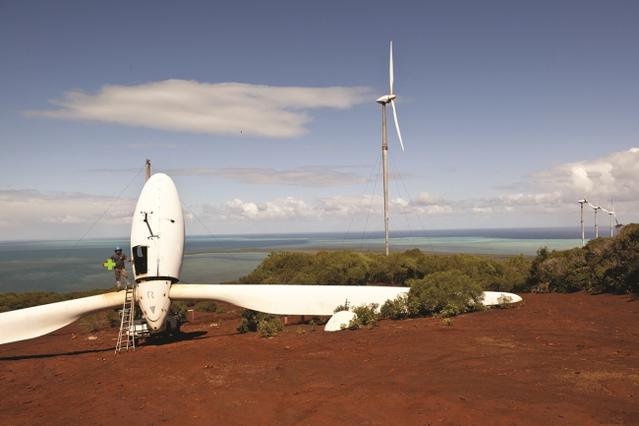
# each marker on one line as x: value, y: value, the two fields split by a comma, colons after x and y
x: 383, y: 101
x: 596, y: 209
x: 583, y: 233
x: 612, y: 215
x: 147, y: 169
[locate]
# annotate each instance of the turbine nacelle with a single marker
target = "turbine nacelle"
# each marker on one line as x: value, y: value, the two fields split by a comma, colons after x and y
x: 386, y: 99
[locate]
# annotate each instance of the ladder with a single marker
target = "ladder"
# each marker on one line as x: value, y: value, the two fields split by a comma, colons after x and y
x: 126, y: 336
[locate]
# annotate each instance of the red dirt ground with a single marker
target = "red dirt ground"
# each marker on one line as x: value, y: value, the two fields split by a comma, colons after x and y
x: 557, y: 359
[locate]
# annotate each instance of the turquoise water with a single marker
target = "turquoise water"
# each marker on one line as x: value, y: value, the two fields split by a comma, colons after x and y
x: 70, y: 266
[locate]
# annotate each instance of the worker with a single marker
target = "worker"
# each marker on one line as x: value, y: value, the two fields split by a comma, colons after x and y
x: 120, y: 268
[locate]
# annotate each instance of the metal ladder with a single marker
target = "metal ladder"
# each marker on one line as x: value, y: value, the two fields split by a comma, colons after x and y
x: 126, y: 336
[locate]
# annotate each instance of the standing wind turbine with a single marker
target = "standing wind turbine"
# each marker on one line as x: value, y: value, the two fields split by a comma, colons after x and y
x: 383, y: 101
x: 612, y: 215
x: 583, y: 233
x: 596, y: 210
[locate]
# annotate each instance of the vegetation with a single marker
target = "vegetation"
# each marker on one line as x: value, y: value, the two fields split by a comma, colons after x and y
x: 11, y: 301
x: 207, y: 307
x: 270, y: 326
x: 344, y: 307
x: 351, y: 268
x: 99, y: 321
x: 604, y: 265
x: 365, y: 316
x: 608, y: 265
x: 444, y: 294
x: 267, y: 325
x: 441, y: 285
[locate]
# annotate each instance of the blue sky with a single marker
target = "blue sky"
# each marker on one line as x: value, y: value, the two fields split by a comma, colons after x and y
x: 510, y: 111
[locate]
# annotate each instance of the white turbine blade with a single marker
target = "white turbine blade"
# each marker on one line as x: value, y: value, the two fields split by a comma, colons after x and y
x: 391, y: 73
x: 282, y: 299
x: 399, y: 133
x: 23, y: 324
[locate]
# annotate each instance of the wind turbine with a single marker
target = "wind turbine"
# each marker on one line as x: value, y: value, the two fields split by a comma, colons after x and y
x: 383, y: 101
x: 583, y: 234
x: 611, y: 214
x: 596, y: 209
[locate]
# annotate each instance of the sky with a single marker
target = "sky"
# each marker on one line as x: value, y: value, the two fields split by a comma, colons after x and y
x: 264, y: 113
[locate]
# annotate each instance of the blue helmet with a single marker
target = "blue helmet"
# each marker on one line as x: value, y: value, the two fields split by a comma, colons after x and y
x: 117, y: 248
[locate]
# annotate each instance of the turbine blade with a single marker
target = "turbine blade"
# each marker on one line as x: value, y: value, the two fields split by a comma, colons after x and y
x: 291, y: 299
x: 391, y: 72
x: 23, y: 324
x: 283, y: 299
x: 399, y: 133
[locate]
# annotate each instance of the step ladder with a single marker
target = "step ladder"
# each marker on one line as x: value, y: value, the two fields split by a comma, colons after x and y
x: 126, y: 336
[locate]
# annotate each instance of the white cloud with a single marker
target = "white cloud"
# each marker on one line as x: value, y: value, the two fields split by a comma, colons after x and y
x: 555, y: 191
x: 614, y: 175
x: 291, y: 208
x: 318, y: 176
x: 220, y: 109
x: 548, y: 198
x: 283, y: 208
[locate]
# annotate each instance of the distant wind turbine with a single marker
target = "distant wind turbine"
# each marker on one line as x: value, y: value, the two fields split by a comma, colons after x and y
x: 383, y: 101
x: 612, y: 215
x: 596, y: 209
x: 583, y: 233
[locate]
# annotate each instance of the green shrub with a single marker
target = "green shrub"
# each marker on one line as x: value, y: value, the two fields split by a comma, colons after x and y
x: 178, y: 308
x: 352, y: 268
x: 99, y: 321
x: 268, y: 325
x: 396, y: 268
x: 604, y: 265
x: 344, y: 307
x: 365, y: 316
x: 206, y: 307
x: 447, y: 293
x: 396, y: 308
x: 12, y: 301
x: 281, y: 267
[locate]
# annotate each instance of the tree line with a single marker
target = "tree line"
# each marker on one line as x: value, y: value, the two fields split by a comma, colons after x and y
x: 609, y: 265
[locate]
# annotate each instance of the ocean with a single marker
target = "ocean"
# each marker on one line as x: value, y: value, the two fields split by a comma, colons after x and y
x: 71, y: 266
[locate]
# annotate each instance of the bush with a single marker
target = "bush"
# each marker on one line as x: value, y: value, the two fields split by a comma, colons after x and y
x: 396, y: 308
x: 604, y: 265
x: 99, y: 321
x: 268, y: 325
x: 365, y: 316
x: 178, y: 308
x: 344, y: 307
x: 206, y: 307
x: 351, y: 268
x: 12, y: 301
x: 447, y: 293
